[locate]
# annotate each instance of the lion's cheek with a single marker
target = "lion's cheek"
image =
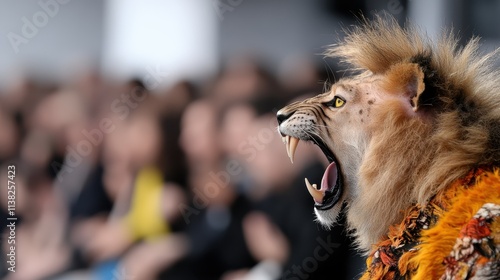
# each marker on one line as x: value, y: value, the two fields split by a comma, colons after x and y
x: 329, y: 217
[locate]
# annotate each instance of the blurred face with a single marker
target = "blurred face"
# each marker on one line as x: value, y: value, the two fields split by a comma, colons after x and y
x: 36, y: 149
x: 235, y: 129
x: 59, y: 110
x: 144, y: 138
x: 59, y: 114
x: 172, y: 197
x: 198, y: 133
x: 267, y: 167
x: 117, y: 158
x: 240, y: 81
x: 115, y: 150
x: 8, y: 136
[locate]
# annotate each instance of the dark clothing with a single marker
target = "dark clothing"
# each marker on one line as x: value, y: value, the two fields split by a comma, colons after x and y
x: 217, y: 243
x: 315, y: 253
x: 93, y: 199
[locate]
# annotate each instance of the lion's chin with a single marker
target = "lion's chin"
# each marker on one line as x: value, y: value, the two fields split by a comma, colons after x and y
x: 329, y: 217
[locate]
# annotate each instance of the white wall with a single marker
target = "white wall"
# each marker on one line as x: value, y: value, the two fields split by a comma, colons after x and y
x: 177, y: 39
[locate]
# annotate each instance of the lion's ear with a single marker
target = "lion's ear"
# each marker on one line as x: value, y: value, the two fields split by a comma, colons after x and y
x: 406, y: 80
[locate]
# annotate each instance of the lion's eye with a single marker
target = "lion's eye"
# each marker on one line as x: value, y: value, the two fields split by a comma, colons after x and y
x: 336, y: 102
x: 339, y: 102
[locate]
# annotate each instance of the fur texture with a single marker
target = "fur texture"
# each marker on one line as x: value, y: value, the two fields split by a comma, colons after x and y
x: 455, y: 236
x: 418, y: 116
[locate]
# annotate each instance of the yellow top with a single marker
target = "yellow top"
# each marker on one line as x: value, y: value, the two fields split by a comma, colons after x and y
x: 145, y: 219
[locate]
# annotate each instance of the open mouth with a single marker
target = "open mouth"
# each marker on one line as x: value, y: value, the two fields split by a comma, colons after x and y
x: 328, y: 193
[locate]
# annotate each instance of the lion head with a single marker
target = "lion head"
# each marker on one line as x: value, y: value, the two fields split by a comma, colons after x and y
x: 413, y: 118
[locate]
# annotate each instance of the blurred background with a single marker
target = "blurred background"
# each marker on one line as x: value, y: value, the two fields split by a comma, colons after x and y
x: 144, y: 139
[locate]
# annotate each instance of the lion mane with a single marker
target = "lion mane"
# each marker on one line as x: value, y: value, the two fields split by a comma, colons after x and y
x: 460, y: 108
x: 413, y: 145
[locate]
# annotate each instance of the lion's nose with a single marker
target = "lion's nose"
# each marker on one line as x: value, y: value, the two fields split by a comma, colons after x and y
x: 281, y: 116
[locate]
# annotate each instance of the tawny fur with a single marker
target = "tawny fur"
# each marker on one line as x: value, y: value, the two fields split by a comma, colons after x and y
x: 436, y: 116
x: 412, y: 158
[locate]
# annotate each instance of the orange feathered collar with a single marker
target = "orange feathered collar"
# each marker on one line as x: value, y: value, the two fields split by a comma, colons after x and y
x: 455, y: 236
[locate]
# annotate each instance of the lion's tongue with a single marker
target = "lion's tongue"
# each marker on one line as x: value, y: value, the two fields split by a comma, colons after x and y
x: 329, y: 178
x: 327, y: 184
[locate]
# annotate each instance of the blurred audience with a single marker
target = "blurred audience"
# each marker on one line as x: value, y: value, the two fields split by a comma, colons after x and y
x: 192, y: 182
